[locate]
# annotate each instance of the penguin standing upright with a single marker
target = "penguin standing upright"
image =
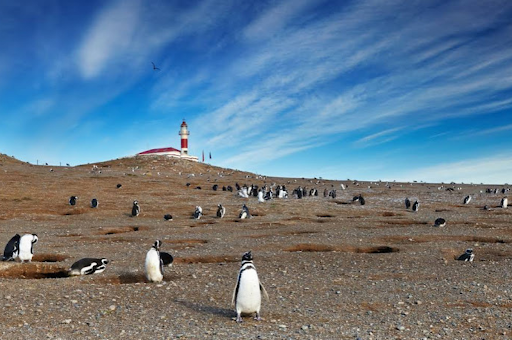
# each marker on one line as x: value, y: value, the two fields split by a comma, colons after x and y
x: 72, y: 200
x: 504, y: 202
x: 244, y: 213
x: 27, y: 242
x: 154, y: 264
x: 248, y: 289
x: 467, y: 199
x: 221, y: 211
x: 135, y: 208
x: 94, y: 203
x: 12, y: 248
x: 88, y: 266
x: 260, y: 196
x: 407, y: 203
x: 416, y: 206
x: 198, y: 212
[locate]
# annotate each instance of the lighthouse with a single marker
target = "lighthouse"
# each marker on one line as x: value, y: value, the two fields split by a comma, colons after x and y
x: 172, y: 152
x: 184, y: 138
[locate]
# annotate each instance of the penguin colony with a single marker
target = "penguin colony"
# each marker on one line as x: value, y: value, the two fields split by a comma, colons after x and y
x: 248, y: 290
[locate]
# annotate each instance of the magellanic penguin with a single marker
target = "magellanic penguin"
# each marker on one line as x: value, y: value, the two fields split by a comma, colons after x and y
x: 168, y: 217
x: 504, y: 202
x: 440, y: 222
x: 221, y: 211
x: 166, y: 258
x: 407, y: 203
x: 94, y: 203
x: 135, y: 208
x: 467, y: 199
x: 198, y: 212
x: 72, y: 200
x: 154, y: 264
x: 467, y: 256
x: 88, y: 266
x: 260, y: 196
x: 247, y: 293
x: 12, y: 248
x: 244, y: 213
x: 416, y: 206
x: 27, y: 242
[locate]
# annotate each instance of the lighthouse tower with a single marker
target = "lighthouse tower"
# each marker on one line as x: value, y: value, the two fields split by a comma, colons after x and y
x: 184, y: 138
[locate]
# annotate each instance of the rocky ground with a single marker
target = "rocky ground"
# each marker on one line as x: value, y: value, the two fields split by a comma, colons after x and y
x: 333, y: 269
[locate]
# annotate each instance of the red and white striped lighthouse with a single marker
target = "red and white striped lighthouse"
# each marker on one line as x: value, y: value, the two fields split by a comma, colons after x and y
x: 184, y: 138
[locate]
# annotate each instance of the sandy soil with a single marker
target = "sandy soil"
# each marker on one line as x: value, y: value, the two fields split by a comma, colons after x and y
x: 333, y: 269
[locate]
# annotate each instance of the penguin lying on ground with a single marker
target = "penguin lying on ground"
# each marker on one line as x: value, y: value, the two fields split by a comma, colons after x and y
x: 88, y: 266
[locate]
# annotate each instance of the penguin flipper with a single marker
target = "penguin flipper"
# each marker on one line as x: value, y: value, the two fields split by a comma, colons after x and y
x: 235, y: 291
x: 264, y: 291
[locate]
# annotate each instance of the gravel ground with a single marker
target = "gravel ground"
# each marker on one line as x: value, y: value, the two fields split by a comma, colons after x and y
x: 333, y: 269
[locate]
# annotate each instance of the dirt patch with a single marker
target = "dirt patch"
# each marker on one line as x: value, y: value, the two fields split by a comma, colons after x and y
x: 206, y: 259
x: 437, y: 238
x: 189, y: 241
x: 121, y: 230
x: 325, y: 215
x: 33, y: 271
x: 308, y: 247
x: 49, y: 258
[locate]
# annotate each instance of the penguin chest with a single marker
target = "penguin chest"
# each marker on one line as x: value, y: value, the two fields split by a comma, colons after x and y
x: 25, y: 251
x: 153, y: 266
x: 249, y: 295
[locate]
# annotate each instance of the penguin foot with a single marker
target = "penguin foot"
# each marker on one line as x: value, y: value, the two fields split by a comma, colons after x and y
x: 257, y: 317
x: 239, y: 319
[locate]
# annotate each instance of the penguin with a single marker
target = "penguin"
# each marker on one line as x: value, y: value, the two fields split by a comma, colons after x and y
x: 26, y: 249
x: 119, y: 185
x: 504, y: 202
x: 198, y: 212
x: 467, y: 256
x: 361, y: 200
x: 215, y: 187
x: 416, y: 206
x: 407, y: 203
x: 72, y: 200
x: 244, y: 213
x: 440, y: 222
x: 260, y: 196
x: 221, y: 211
x: 356, y: 198
x: 94, y: 203
x: 88, y: 266
x: 168, y: 217
x: 166, y: 258
x: 154, y: 264
x: 467, y: 199
x: 135, y: 209
x: 248, y: 290
x: 12, y: 248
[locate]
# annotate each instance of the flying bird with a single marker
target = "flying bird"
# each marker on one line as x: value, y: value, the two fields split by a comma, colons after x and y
x: 154, y: 67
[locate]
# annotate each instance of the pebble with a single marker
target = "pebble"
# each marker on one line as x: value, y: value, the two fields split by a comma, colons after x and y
x: 67, y: 321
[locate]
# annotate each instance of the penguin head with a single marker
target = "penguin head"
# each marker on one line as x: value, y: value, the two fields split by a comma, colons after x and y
x: 104, y: 261
x: 247, y: 256
x: 34, y: 238
x: 469, y: 251
x: 135, y: 202
x: 157, y: 244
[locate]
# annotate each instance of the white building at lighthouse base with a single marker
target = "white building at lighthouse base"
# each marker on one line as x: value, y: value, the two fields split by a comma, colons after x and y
x: 169, y: 152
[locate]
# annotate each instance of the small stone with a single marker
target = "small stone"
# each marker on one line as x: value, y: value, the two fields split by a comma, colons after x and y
x: 67, y: 321
x: 305, y: 327
x: 112, y: 307
x: 401, y: 328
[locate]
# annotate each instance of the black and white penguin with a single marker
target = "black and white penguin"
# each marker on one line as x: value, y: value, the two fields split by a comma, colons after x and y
x: 215, y: 187
x: 12, y: 248
x: 361, y: 200
x: 467, y: 256
x: 407, y: 203
x: 154, y: 265
x: 198, y: 212
x: 26, y: 251
x: 221, y: 211
x: 135, y: 208
x: 440, y: 222
x: 167, y: 259
x: 88, y: 266
x: 260, y: 196
x: 504, y: 202
x: 416, y: 206
x: 244, y: 213
x: 467, y: 199
x: 119, y: 185
x: 94, y: 203
x: 356, y: 198
x: 168, y: 217
x: 72, y: 200
x: 248, y: 290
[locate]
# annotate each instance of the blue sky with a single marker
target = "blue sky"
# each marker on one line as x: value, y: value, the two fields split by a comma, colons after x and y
x: 368, y: 90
